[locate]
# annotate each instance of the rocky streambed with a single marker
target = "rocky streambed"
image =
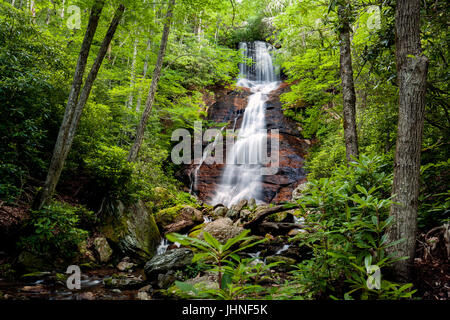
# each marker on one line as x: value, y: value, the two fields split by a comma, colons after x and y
x: 136, y: 261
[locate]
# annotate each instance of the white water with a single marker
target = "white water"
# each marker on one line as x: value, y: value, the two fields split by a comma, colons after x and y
x: 242, y: 177
x: 163, y: 245
x: 283, y: 249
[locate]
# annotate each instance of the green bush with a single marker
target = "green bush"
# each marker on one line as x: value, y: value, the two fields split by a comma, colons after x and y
x: 348, y: 214
x: 54, y: 231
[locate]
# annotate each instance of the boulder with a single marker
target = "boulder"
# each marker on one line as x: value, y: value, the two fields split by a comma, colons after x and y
x: 178, y: 218
x: 252, y: 204
x: 103, y: 249
x: 245, y: 214
x: 222, y: 229
x: 220, y: 211
x: 133, y: 230
x: 170, y: 260
x: 33, y: 263
x: 125, y: 264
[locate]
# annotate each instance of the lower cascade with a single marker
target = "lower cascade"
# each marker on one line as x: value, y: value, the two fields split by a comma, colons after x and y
x: 242, y: 176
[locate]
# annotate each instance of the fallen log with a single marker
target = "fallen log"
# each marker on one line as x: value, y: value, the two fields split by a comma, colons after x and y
x: 264, y: 212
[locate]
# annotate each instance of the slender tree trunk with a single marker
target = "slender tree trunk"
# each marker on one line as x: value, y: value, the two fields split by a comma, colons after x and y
x: 153, y: 87
x: 62, y: 9
x: 348, y: 87
x: 133, y: 69
x: 412, y: 69
x: 93, y: 75
x: 144, y: 73
x: 75, y: 105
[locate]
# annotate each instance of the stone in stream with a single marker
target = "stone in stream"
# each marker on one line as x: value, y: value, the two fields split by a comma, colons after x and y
x: 133, y: 230
x: 103, y: 249
x: 252, y: 204
x: 178, y: 219
x: 141, y: 295
x: 123, y: 282
x: 222, y: 229
x: 125, y: 264
x: 170, y: 260
x: 220, y: 211
x: 235, y: 210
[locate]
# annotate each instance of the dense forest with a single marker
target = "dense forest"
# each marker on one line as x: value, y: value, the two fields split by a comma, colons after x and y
x: 93, y: 94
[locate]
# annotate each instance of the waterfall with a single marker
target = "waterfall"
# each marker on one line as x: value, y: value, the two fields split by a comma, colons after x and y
x: 242, y: 177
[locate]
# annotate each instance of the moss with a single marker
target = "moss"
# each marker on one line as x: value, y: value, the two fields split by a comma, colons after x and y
x: 115, y: 228
x: 61, y: 277
x: 134, y: 231
x: 167, y: 216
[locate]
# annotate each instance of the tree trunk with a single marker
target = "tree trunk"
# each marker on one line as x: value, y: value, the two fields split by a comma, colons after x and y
x: 144, y: 73
x: 93, y: 75
x: 154, y: 85
x: 348, y: 87
x: 412, y: 69
x: 75, y: 106
x: 133, y: 69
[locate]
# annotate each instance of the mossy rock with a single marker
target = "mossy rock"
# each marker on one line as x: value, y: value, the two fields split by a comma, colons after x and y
x: 31, y: 263
x: 167, y: 216
x: 133, y: 230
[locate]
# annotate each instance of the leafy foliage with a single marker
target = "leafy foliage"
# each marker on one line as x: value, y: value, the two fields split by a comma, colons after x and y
x: 55, y: 231
x: 348, y: 214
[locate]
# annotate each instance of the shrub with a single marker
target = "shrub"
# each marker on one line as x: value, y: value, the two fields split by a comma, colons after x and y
x: 54, y: 231
x: 348, y: 214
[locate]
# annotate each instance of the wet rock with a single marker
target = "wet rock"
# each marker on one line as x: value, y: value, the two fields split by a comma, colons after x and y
x: 165, y: 280
x: 34, y: 289
x: 171, y: 260
x: 245, y: 214
x: 222, y: 229
x: 178, y: 219
x: 143, y: 296
x: 206, y: 282
x: 295, y: 232
x: 133, y: 229
x: 125, y: 264
x: 220, y: 211
x: 252, y: 204
x: 147, y: 288
x: 103, y: 249
x: 232, y: 214
x: 86, y: 296
x: 241, y: 204
x: 32, y: 263
x: 123, y: 282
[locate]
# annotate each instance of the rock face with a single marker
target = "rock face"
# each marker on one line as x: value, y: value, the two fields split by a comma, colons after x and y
x: 228, y: 106
x: 168, y: 261
x: 103, y: 249
x: 133, y: 230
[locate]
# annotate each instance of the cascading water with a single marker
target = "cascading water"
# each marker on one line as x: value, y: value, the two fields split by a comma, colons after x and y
x: 242, y: 177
